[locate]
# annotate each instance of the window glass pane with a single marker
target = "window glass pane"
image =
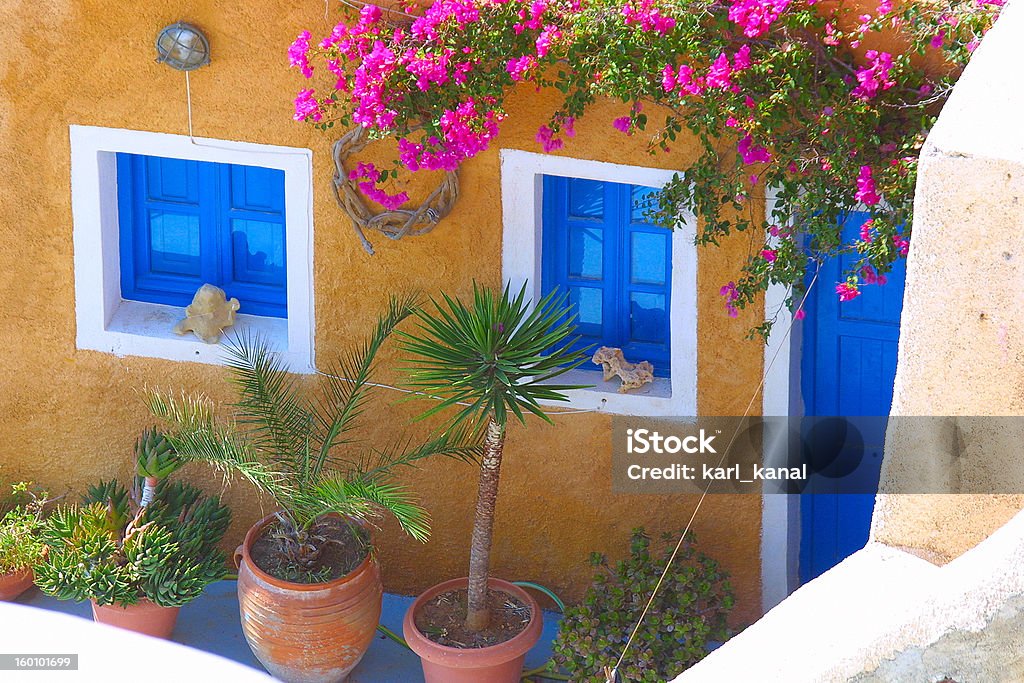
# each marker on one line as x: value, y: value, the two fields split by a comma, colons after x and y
x: 586, y: 252
x: 258, y: 252
x: 586, y: 303
x: 647, y: 319
x: 642, y: 200
x: 647, y: 260
x: 586, y: 198
x: 174, y: 243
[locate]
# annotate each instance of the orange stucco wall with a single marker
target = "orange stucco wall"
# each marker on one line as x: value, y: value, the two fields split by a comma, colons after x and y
x: 70, y: 417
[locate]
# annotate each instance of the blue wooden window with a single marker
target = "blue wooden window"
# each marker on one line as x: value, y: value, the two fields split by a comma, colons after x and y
x: 615, y: 266
x: 185, y: 223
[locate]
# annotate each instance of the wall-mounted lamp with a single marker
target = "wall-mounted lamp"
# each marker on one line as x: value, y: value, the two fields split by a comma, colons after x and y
x: 183, y: 47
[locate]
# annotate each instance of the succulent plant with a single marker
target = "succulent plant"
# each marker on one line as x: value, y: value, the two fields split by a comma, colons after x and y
x: 155, y: 456
x: 21, y: 517
x: 688, y: 614
x: 113, y: 551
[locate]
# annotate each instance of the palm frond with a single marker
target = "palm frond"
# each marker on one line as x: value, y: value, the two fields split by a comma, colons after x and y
x: 347, y: 382
x: 461, y: 443
x: 364, y: 499
x: 494, y: 356
x: 193, y: 431
x: 269, y: 402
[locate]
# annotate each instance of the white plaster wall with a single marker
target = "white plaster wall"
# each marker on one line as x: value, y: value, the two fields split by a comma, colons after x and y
x: 962, y: 337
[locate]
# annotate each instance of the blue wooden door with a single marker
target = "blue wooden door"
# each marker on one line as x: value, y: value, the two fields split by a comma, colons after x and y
x: 847, y: 369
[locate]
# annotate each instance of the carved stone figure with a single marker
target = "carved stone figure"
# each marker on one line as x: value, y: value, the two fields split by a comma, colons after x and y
x: 209, y: 314
x: 633, y: 375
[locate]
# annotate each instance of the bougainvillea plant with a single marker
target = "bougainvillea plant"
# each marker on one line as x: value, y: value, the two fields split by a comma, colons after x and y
x: 827, y: 103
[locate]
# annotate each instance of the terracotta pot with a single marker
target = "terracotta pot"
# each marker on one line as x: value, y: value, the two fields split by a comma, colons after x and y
x: 307, y: 633
x: 142, y: 617
x: 502, y: 663
x: 14, y: 584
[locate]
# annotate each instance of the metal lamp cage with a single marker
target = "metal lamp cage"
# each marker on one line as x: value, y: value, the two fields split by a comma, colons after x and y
x: 183, y: 47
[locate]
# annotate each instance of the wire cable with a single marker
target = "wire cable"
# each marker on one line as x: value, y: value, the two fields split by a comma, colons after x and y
x: 611, y: 674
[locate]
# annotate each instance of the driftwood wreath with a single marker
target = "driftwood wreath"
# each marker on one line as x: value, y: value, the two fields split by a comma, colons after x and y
x: 394, y: 224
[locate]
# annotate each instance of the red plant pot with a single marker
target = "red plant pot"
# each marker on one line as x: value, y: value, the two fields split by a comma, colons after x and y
x: 307, y: 633
x: 501, y: 663
x: 14, y: 584
x: 143, y: 617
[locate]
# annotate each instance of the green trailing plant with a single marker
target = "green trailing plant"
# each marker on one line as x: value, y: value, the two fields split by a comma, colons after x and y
x: 303, y: 446
x: 20, y: 544
x: 112, y: 550
x: 490, y: 359
x: 687, y: 616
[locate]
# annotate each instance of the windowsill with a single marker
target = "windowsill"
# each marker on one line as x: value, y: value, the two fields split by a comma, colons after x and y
x: 651, y: 400
x: 143, y: 329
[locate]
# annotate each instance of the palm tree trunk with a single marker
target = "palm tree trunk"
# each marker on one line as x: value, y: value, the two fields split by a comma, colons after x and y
x: 478, y: 614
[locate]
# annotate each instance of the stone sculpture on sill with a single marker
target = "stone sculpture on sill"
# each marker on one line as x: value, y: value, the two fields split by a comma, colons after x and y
x: 633, y: 375
x: 209, y: 314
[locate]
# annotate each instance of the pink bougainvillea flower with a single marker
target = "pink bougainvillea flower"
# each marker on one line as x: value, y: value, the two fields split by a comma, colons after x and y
x: 939, y: 39
x: 720, y: 72
x: 388, y: 201
x: 902, y: 244
x: 831, y: 38
x: 298, y: 54
x: 465, y: 130
x: 686, y: 82
x: 519, y: 68
x: 731, y: 294
x: 870, y: 277
x: 865, y: 230
x: 800, y: 314
x: 741, y: 60
x: 847, y: 291
x: 751, y: 153
x: 647, y: 17
x: 668, y: 78
x: 755, y: 17
x: 569, y: 127
x: 546, y: 137
x: 866, y: 191
x: 307, y: 107
x: 769, y: 255
x: 368, y: 187
x: 873, y: 79
x: 550, y: 35
x: 623, y: 123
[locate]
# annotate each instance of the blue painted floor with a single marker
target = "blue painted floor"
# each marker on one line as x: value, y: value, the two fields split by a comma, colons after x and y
x: 211, y: 623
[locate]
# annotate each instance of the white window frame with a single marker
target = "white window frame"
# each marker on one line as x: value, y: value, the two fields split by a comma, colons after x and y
x: 110, y: 324
x: 522, y: 211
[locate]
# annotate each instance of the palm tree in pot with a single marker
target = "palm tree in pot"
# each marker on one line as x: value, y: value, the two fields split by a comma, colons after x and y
x: 490, y: 359
x: 309, y: 584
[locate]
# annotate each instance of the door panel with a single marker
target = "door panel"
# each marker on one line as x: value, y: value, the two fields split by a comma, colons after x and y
x: 848, y: 366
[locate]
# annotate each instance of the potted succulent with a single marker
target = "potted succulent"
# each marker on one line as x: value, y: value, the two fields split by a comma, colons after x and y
x: 20, y: 545
x: 137, y: 564
x: 309, y: 586
x: 493, y: 358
